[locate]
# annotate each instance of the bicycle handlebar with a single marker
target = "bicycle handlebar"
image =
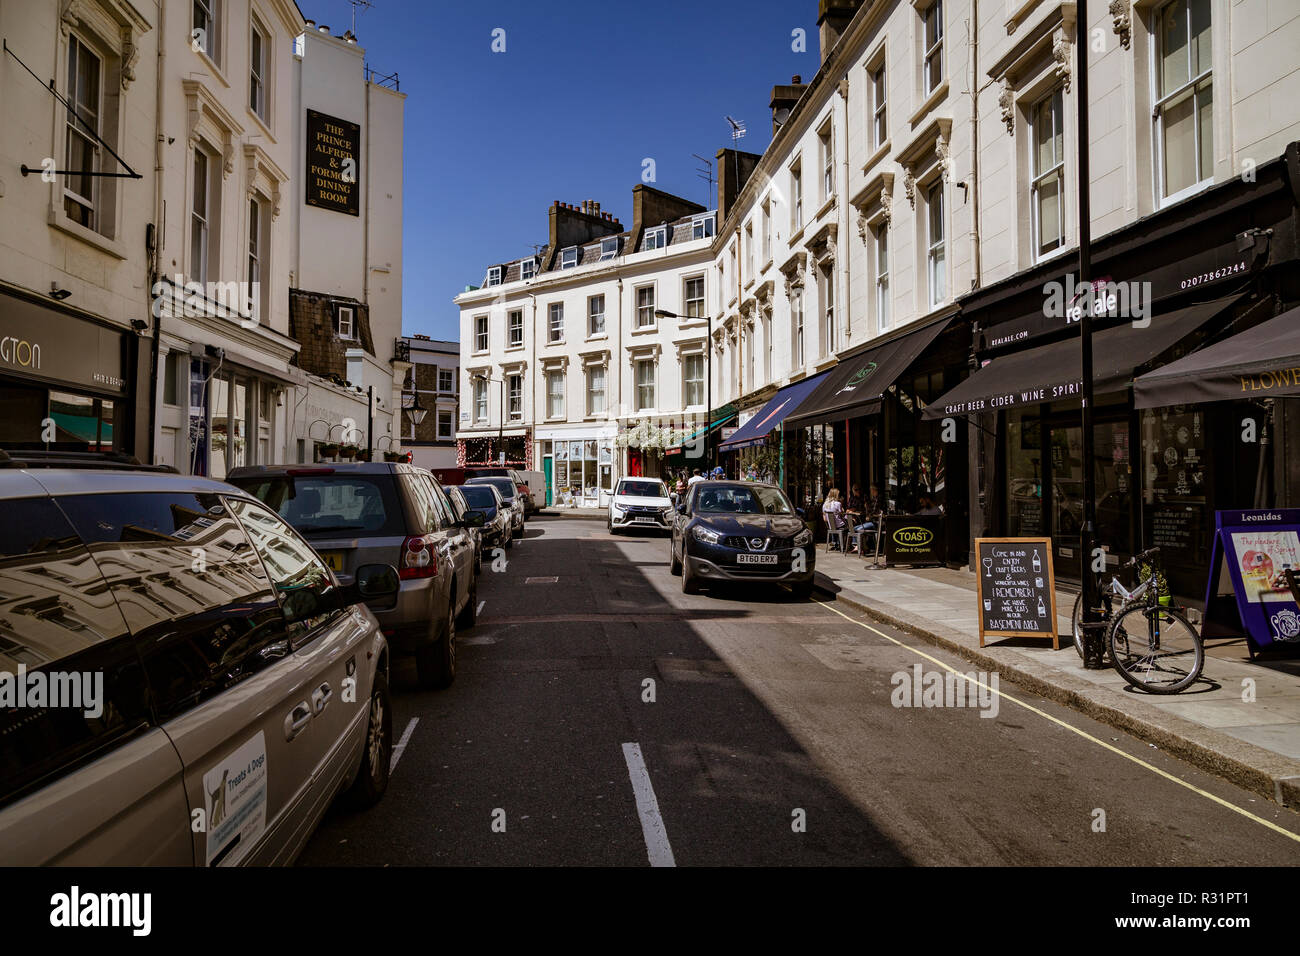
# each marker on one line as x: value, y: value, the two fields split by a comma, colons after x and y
x: 1143, y: 556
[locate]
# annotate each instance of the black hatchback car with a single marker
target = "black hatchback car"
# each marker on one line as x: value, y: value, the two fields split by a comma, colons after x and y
x: 740, y: 531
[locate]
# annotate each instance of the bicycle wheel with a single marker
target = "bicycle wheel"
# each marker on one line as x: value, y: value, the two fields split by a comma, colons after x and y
x: 1076, y: 621
x: 1156, y: 649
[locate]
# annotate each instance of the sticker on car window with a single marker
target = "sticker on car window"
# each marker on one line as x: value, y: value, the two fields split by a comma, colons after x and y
x: 235, y: 794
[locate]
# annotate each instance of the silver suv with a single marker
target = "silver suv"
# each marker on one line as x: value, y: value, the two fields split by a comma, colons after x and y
x: 182, y: 679
x: 391, y: 513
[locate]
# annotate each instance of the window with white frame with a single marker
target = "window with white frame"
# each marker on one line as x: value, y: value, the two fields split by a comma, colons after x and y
x: 346, y: 322
x: 645, y: 306
x: 828, y: 312
x: 767, y: 230
x: 256, y: 244
x: 200, y: 216
x: 934, y: 243
x: 655, y: 238
x: 514, y: 328
x: 595, y: 390
x: 556, y: 312
x: 480, y: 333
x: 703, y: 227
x: 796, y: 196
x: 554, y: 394
x: 693, y: 295
x: 258, y: 69
x: 515, y: 396
x: 608, y: 249
x: 527, y: 268
x: 879, y: 108
x: 1184, y: 109
x: 645, y: 384
x: 204, y: 28
x: 480, y: 400
x: 880, y: 236
x: 493, y: 276
x: 693, y: 379
x: 932, y: 65
x: 81, y: 151
x: 796, y: 330
x: 769, y: 345
x: 569, y: 257
x: 749, y: 251
x: 749, y: 356
x: 826, y: 139
x: 1047, y: 187
x: 595, y: 315
x: 446, y: 380
x: 444, y: 426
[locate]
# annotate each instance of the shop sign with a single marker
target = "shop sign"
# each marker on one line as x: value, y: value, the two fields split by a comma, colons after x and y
x: 1016, y: 588
x: 913, y: 539
x: 56, y: 347
x: 1249, y: 591
x: 333, y: 155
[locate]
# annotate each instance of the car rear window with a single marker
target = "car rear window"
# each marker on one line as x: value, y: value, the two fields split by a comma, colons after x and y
x: 325, y: 505
x: 478, y: 496
x: 503, y: 485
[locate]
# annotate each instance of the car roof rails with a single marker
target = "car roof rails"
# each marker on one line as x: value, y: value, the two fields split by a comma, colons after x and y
x: 42, y: 458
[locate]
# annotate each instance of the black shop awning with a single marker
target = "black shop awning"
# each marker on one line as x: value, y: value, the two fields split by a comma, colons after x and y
x: 1051, y: 372
x: 855, y: 386
x: 1263, y: 362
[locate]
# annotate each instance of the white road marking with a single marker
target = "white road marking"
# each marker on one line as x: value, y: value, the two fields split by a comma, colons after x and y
x: 401, y: 744
x: 479, y: 610
x: 647, y: 807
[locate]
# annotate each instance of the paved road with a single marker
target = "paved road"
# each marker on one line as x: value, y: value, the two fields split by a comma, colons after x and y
x: 767, y: 712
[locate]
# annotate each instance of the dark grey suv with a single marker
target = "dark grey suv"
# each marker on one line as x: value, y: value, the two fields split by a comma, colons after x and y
x: 394, y: 513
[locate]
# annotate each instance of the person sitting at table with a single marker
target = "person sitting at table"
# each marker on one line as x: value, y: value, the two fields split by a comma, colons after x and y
x: 853, y: 506
x: 870, y: 513
x: 833, y: 512
x: 927, y: 506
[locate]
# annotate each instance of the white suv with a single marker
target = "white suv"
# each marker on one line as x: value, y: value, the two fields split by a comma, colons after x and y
x: 640, y: 503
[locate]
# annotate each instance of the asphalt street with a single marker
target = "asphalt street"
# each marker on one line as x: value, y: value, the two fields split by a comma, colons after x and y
x: 602, y: 717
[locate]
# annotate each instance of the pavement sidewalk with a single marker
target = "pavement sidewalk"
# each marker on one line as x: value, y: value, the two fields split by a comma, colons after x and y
x: 1256, y: 745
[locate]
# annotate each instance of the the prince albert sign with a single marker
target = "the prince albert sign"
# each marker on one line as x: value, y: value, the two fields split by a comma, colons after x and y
x: 333, y: 163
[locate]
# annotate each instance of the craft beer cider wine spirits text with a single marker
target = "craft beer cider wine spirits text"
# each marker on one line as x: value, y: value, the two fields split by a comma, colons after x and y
x: 1038, y: 565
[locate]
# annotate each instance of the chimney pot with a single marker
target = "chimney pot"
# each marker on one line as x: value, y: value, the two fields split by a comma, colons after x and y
x: 796, y: 80
x: 324, y: 28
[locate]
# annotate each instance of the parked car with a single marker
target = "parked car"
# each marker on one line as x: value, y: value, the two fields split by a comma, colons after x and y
x: 208, y: 668
x: 366, y: 512
x: 460, y: 508
x: 496, y: 531
x: 740, y: 531
x: 522, y: 487
x: 639, y: 503
x: 510, y: 495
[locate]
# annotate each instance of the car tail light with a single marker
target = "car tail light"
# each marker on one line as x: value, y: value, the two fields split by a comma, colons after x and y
x: 418, y: 559
x: 298, y: 472
x: 522, y: 490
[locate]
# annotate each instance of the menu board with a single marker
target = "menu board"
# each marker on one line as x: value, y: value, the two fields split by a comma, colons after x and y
x: 1017, y: 588
x: 1253, y: 557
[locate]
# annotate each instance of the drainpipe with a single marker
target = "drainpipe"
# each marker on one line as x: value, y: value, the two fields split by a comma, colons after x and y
x: 616, y: 359
x: 156, y: 259
x: 532, y: 409
x: 972, y: 29
x: 842, y: 252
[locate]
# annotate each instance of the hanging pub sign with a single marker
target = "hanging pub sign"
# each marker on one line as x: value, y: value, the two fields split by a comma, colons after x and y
x: 1016, y: 588
x: 913, y: 539
x: 1249, y: 591
x: 333, y: 163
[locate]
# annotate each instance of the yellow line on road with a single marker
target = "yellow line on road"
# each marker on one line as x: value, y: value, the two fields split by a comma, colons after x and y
x: 1070, y: 727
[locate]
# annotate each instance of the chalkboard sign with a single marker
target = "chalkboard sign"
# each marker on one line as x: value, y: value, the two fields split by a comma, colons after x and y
x: 913, y: 539
x: 1017, y: 588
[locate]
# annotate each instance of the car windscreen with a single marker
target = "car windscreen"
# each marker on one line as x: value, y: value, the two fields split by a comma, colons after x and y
x: 323, y: 505
x: 503, y: 485
x: 746, y: 501
x: 642, y: 489
x: 479, y: 496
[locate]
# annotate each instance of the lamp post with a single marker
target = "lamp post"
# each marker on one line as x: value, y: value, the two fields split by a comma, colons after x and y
x: 501, y: 413
x: 708, y: 377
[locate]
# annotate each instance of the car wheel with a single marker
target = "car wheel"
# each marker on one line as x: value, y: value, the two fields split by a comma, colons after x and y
x: 690, y: 583
x: 436, y: 662
x: 478, y: 562
x: 376, y: 754
x: 469, y: 614
x: 674, y: 566
x: 802, y: 590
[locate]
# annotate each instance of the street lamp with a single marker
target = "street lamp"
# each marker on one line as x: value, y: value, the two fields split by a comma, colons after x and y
x: 501, y: 414
x: 708, y: 376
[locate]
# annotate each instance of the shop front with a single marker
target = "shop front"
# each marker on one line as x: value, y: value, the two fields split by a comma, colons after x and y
x: 579, y: 465
x: 512, y: 447
x: 66, y: 381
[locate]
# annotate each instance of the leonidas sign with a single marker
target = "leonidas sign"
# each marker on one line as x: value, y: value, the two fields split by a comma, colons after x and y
x: 333, y: 163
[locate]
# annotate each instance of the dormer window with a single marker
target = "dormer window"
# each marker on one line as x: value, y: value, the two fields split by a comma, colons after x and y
x: 527, y: 268
x: 569, y: 257
x: 656, y: 238
x: 494, y: 276
x: 702, y: 228
x: 608, y: 249
x: 347, y: 322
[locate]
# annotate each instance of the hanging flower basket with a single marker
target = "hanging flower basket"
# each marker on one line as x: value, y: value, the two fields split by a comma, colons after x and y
x: 348, y: 451
x: 328, y: 451
x: 394, y: 456
x: 364, y: 455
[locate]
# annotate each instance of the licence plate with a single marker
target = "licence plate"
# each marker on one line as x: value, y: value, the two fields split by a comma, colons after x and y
x: 644, y: 521
x: 333, y: 560
x: 756, y: 559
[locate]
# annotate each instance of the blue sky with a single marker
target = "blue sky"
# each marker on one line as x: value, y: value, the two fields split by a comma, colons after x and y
x: 584, y: 92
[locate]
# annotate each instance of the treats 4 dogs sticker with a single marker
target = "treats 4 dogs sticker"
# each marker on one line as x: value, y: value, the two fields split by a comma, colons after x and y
x: 235, y: 797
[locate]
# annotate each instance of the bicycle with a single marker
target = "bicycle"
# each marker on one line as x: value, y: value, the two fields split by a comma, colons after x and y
x: 1152, y: 646
x: 1110, y: 591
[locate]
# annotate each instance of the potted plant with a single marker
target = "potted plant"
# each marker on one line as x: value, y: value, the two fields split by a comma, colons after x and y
x: 1145, y: 571
x: 348, y: 451
x: 394, y: 456
x: 328, y: 450
x: 364, y: 455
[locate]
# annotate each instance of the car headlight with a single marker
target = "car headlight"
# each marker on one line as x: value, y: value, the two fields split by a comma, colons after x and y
x: 618, y: 508
x: 704, y: 534
x: 802, y: 538
x: 668, y: 512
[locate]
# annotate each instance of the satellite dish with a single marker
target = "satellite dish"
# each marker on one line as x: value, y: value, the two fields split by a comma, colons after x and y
x: 782, y: 115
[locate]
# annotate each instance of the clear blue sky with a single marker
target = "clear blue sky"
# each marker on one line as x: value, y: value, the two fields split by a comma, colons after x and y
x: 585, y: 90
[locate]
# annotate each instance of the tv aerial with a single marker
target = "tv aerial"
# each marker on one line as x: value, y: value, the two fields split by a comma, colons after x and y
x: 364, y: 5
x: 737, y: 129
x: 705, y: 172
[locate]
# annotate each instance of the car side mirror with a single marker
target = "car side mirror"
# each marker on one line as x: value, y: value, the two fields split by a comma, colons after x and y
x: 375, y: 582
x: 473, y: 519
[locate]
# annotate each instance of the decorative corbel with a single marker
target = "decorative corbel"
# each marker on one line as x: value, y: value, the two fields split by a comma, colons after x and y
x: 1121, y: 22
x: 71, y: 15
x: 1061, y: 54
x: 130, y: 54
x: 909, y: 186
x: 1007, y: 104
x: 275, y: 199
x: 943, y: 149
x: 887, y: 207
x: 862, y: 226
x: 843, y: 87
x: 227, y: 158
